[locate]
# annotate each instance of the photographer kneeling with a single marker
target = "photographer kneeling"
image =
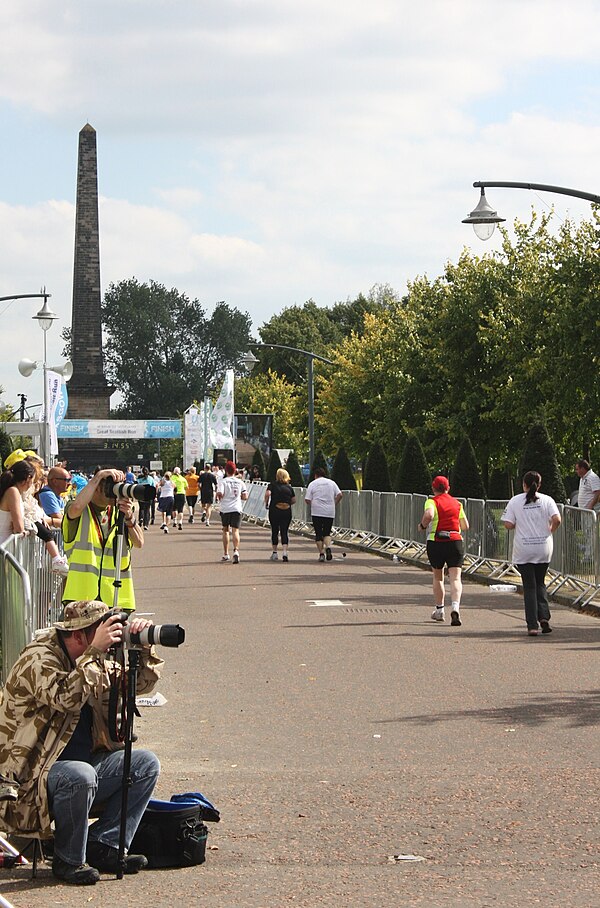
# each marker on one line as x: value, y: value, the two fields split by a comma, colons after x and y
x: 55, y: 742
x: 89, y: 531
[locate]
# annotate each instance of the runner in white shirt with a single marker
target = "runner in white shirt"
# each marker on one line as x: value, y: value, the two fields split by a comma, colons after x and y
x: 323, y: 494
x: 534, y: 518
x: 231, y: 492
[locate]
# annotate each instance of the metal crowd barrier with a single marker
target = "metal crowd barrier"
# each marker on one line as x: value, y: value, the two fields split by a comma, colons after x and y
x: 30, y: 595
x: 387, y: 522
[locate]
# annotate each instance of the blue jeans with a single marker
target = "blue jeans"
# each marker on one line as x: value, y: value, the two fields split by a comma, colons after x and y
x: 74, y: 787
x: 534, y: 594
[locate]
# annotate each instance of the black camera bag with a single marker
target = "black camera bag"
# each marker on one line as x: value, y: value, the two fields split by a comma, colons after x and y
x: 171, y: 835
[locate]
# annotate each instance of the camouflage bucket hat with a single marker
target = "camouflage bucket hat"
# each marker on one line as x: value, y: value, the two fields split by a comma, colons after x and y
x: 83, y: 613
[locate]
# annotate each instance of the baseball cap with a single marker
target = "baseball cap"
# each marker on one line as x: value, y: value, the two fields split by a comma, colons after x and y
x: 80, y: 614
x: 441, y: 484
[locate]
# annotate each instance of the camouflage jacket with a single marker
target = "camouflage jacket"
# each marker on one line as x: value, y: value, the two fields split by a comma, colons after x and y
x: 39, y: 709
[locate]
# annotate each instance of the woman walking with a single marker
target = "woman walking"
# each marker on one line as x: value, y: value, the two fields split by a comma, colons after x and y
x: 444, y: 521
x: 534, y: 518
x: 166, y: 498
x: 279, y: 498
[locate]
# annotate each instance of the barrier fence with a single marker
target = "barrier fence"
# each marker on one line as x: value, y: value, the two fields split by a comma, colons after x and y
x: 387, y: 522
x: 384, y: 522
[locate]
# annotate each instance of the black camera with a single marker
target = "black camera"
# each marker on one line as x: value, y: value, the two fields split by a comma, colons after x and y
x: 133, y: 490
x: 154, y: 635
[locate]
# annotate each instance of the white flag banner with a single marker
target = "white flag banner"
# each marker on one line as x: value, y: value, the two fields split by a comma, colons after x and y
x: 54, y: 382
x: 193, y: 435
x: 221, y: 419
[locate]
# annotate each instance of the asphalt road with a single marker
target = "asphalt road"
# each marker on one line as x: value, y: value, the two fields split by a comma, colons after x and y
x: 333, y: 737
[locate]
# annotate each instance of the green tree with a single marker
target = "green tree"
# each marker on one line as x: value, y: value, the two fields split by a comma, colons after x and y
x: 162, y: 351
x: 539, y: 455
x: 414, y: 475
x: 377, y: 475
x: 293, y: 468
x: 319, y: 461
x: 308, y: 327
x: 274, y: 465
x: 465, y: 479
x: 341, y: 472
x: 5, y: 447
x: 499, y: 486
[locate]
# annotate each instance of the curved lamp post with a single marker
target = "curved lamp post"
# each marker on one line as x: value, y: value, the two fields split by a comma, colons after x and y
x: 249, y: 361
x: 484, y: 218
x: 45, y: 318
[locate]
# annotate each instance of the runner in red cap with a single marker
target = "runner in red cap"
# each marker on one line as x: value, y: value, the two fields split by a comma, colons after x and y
x: 444, y: 520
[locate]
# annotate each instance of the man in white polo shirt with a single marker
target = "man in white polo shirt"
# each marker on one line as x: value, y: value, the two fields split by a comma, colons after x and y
x: 589, y: 486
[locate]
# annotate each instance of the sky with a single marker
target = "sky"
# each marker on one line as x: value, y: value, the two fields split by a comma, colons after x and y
x: 266, y: 152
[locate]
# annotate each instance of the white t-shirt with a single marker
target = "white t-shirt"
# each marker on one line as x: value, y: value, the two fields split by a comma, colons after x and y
x: 167, y: 489
x: 231, y: 488
x: 532, y: 543
x: 321, y: 494
x: 588, y: 486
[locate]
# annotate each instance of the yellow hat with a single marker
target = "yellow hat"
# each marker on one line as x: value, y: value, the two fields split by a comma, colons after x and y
x: 14, y: 457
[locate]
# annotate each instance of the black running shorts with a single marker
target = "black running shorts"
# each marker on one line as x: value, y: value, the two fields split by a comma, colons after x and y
x: 231, y: 519
x: 449, y: 552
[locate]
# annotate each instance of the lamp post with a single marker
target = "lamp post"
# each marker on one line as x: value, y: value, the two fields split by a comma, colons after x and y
x: 484, y: 218
x: 250, y: 361
x: 45, y: 317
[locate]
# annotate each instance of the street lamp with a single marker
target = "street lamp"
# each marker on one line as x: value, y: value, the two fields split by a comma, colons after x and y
x: 484, y: 218
x: 249, y: 360
x: 45, y: 317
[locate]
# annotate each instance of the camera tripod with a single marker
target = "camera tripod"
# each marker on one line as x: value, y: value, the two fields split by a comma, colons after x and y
x: 133, y: 655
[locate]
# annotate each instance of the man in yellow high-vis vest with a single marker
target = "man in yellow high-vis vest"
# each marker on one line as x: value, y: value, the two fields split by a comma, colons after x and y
x: 89, y: 531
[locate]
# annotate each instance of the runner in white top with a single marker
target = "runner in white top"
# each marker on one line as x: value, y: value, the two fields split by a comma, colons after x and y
x: 534, y: 518
x: 322, y: 494
x: 231, y: 493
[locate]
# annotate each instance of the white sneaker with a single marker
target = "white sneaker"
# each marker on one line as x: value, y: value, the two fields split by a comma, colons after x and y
x: 60, y: 566
x: 225, y: 558
x: 274, y: 556
x: 208, y: 523
x: 236, y: 557
x: 438, y: 614
x: 455, y: 618
x: 165, y: 529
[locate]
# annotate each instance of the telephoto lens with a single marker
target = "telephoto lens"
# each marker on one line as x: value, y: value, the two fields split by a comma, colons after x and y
x: 132, y: 490
x: 156, y: 635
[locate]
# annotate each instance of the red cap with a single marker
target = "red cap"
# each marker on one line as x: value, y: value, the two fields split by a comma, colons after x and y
x: 440, y: 484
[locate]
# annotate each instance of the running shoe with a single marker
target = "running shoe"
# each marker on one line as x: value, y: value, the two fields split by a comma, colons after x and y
x: 225, y: 558
x: 236, y: 557
x: 274, y: 556
x: 190, y: 519
x: 328, y: 554
x: 455, y: 618
x: 438, y: 614
x: 322, y: 556
x: 208, y: 523
x: 203, y: 517
x: 60, y: 566
x: 546, y: 629
x: 165, y: 529
x: 179, y: 526
x: 284, y: 558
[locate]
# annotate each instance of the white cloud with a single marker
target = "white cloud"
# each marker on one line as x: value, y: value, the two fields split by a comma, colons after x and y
x: 326, y: 146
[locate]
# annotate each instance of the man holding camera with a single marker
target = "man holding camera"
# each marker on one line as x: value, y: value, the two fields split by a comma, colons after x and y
x: 89, y: 530
x: 57, y: 745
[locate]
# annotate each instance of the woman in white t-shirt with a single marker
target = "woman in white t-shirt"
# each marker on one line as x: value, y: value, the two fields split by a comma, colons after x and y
x: 534, y: 518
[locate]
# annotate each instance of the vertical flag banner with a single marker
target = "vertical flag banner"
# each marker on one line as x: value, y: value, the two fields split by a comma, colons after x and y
x: 193, y: 436
x: 221, y: 418
x: 62, y: 404
x: 54, y: 382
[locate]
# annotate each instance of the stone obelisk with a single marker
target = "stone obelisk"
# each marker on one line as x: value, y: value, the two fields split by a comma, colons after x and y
x: 89, y: 392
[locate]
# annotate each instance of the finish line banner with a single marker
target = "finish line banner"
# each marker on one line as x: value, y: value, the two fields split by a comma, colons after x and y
x: 119, y: 428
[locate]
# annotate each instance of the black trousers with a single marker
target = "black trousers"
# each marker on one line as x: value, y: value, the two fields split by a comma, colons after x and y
x: 280, y: 523
x: 534, y: 593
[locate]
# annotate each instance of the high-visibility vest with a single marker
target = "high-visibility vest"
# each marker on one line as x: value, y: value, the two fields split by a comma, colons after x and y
x: 92, y: 564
